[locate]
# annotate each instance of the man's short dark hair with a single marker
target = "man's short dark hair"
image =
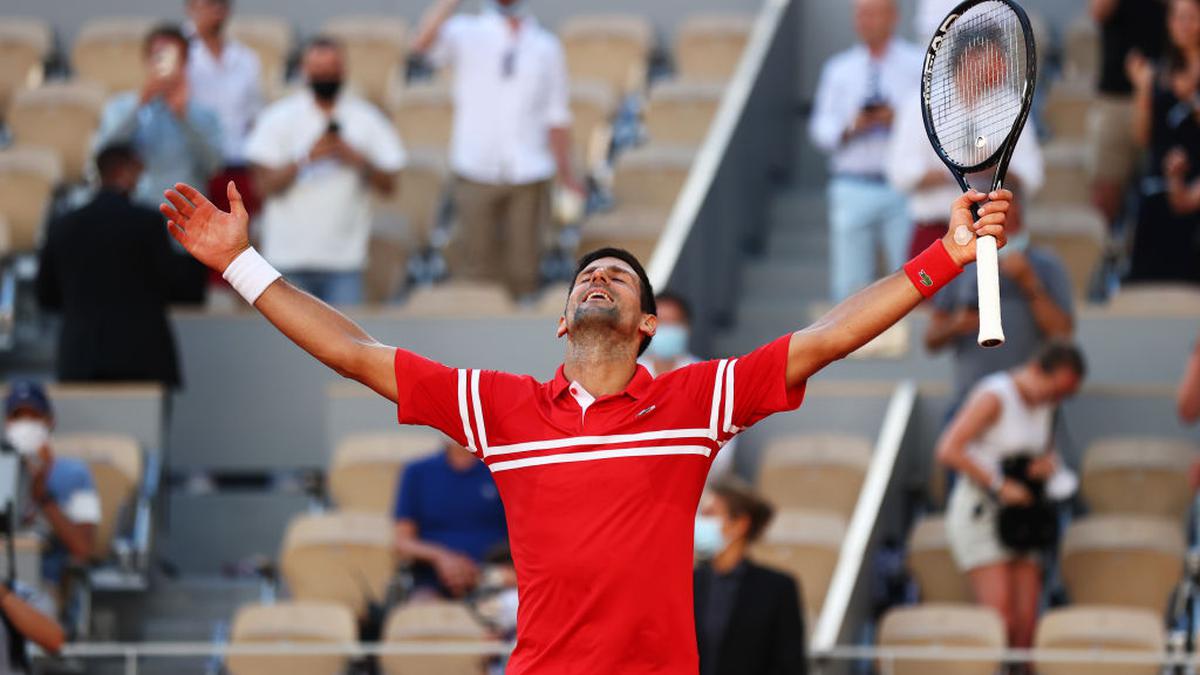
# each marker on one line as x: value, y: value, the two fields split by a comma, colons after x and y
x: 323, y: 41
x: 1061, y: 354
x: 669, y: 296
x: 743, y: 502
x: 113, y: 157
x: 169, y: 31
x: 649, y: 306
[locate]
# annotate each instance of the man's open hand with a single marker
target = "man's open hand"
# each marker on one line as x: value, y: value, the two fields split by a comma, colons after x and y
x: 212, y: 236
x: 960, y: 244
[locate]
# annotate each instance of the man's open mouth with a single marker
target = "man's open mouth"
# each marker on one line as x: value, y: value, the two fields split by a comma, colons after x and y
x: 597, y: 295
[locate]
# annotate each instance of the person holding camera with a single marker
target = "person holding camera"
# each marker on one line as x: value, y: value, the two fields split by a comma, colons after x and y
x: 999, y: 514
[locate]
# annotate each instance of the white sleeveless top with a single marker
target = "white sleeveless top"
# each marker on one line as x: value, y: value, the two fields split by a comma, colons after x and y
x: 1020, y: 428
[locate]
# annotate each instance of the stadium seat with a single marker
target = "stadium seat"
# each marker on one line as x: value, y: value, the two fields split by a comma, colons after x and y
x: 115, y: 461
x: 461, y: 298
x: 374, y: 51
x: 271, y: 38
x: 434, y: 621
x: 366, y: 467
x: 553, y: 299
x: 1066, y: 109
x: 815, y: 472
x: 291, y: 623
x: 338, y: 557
x: 1139, y: 476
x: 592, y: 108
x: 5, y: 236
x: 419, y: 199
x: 62, y: 117
x: 424, y: 116
x: 1129, y: 561
x: 680, y: 113
x: 1076, y: 233
x: 24, y: 45
x: 109, y: 52
x: 1081, y: 50
x: 1100, y: 629
x: 943, y: 625
x: 804, y: 544
x: 650, y: 178
x: 613, y: 49
x: 932, y: 566
x: 1155, y: 300
x: 27, y: 179
x: 708, y: 47
x: 1067, y: 181
x: 634, y: 230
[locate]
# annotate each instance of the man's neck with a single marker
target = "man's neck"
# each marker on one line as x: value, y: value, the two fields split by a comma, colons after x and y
x: 878, y: 50
x: 213, y: 42
x: 726, y: 560
x: 602, y: 367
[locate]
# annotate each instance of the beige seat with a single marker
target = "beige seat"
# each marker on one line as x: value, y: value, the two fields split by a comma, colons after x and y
x: 1076, y: 233
x: 553, y: 300
x: 290, y: 623
x: 650, y: 178
x: 115, y: 461
x: 815, y: 472
x: 374, y: 51
x: 62, y: 117
x: 1081, y: 50
x: 1139, y: 476
x: 424, y: 115
x: 1067, y: 181
x: 1101, y: 629
x: 943, y: 625
x: 708, y: 47
x: 109, y: 52
x: 1130, y: 561
x: 932, y: 565
x: 680, y: 113
x: 435, y: 621
x: 366, y: 467
x: 1067, y: 109
x: 24, y: 46
x: 338, y: 557
x: 635, y: 230
x: 592, y: 107
x: 461, y: 298
x: 27, y: 179
x: 805, y: 545
x: 1156, y: 300
x: 403, y: 223
x: 271, y: 38
x: 613, y: 49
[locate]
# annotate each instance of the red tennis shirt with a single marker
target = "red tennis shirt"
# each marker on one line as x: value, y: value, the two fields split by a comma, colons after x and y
x: 600, y: 496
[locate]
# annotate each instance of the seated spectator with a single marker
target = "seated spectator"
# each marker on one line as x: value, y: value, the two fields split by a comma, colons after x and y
x: 178, y: 139
x: 108, y: 267
x: 448, y: 518
x: 1009, y: 415
x: 749, y: 618
x: 316, y: 156
x: 1035, y: 300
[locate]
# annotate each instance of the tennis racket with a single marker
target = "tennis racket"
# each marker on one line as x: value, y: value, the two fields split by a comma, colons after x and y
x: 976, y: 90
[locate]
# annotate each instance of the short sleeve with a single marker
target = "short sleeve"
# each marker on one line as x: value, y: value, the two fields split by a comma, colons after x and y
x: 406, y: 495
x: 756, y: 384
x: 263, y: 146
x: 446, y: 45
x: 76, y: 495
x: 386, y: 149
x: 558, y: 113
x: 433, y: 395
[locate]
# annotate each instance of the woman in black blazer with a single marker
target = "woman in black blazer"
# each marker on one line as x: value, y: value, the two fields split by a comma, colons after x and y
x: 749, y: 618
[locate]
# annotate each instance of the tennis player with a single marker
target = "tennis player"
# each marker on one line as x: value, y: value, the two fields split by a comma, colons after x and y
x: 601, y: 468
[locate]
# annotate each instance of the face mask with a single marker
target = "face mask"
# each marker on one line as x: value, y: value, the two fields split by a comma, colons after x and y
x: 325, y: 90
x: 1018, y: 243
x: 670, y: 341
x: 709, y: 541
x: 514, y: 8
x: 27, y: 436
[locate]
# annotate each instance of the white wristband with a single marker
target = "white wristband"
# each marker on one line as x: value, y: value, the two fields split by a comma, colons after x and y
x: 250, y: 274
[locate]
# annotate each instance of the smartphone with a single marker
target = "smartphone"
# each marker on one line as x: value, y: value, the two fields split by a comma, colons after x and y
x: 333, y: 128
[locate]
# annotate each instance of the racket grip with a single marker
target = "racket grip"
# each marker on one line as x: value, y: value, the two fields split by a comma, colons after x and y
x: 987, y: 267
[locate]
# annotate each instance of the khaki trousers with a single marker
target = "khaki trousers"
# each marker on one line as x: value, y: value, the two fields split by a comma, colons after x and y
x: 500, y: 232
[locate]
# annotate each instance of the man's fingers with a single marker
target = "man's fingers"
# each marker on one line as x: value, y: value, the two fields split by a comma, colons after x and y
x: 181, y: 205
x: 236, y: 206
x: 994, y: 207
x: 171, y: 213
x: 193, y: 195
x: 177, y: 232
x: 990, y: 219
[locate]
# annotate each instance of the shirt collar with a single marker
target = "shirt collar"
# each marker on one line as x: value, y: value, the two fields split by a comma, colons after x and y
x: 636, y: 389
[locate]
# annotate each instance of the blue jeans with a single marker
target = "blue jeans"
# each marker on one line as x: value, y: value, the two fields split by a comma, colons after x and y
x: 863, y: 215
x: 336, y: 288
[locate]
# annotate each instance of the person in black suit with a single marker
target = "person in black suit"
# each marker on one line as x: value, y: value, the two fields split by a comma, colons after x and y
x: 749, y: 618
x: 108, y: 267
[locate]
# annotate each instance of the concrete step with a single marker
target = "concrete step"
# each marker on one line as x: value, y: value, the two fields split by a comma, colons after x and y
x: 784, y: 281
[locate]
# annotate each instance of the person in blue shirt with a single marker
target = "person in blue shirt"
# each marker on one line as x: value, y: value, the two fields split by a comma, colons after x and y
x: 448, y: 518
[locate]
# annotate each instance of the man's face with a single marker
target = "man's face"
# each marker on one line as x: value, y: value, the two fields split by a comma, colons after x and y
x: 1183, y: 23
x: 29, y: 414
x: 1063, y: 384
x: 165, y: 56
x: 874, y: 20
x: 607, y: 295
x: 322, y: 64
x: 209, y: 16
x: 671, y: 314
x: 980, y: 70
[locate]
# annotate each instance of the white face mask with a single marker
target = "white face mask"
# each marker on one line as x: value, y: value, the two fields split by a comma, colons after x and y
x: 709, y: 540
x: 27, y: 436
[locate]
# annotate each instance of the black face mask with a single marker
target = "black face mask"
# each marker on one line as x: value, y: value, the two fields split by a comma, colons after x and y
x: 325, y: 90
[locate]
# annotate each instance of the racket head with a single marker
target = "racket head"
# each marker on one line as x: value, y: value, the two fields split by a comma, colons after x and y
x: 977, y: 84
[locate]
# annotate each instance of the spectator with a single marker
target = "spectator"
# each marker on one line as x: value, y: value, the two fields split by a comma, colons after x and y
x: 60, y: 488
x: 448, y: 518
x: 316, y: 155
x: 177, y: 138
x: 511, y: 134
x: 1128, y: 28
x: 1035, y: 300
x: 225, y: 76
x: 749, y: 618
x: 1166, y: 245
x: 1009, y: 414
x: 852, y: 120
x: 108, y: 267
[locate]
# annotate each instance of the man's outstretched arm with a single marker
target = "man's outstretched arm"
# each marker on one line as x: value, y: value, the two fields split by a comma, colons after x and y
x: 866, y: 314
x: 216, y: 238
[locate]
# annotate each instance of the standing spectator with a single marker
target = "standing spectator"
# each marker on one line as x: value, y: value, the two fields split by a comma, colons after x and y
x: 1035, y: 300
x: 1127, y: 28
x: 448, y: 518
x: 749, y: 618
x: 511, y: 134
x: 316, y: 156
x: 225, y: 76
x: 108, y: 267
x: 177, y: 138
x: 852, y: 120
x: 1166, y: 245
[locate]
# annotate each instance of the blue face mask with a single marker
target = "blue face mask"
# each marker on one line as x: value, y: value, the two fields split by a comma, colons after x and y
x: 709, y: 541
x: 670, y: 342
x: 1018, y: 243
x: 514, y: 8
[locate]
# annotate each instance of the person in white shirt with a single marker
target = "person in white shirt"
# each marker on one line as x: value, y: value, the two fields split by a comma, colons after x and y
x: 511, y: 134
x: 852, y: 121
x: 315, y: 156
x: 224, y: 74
